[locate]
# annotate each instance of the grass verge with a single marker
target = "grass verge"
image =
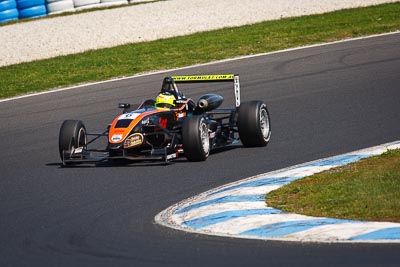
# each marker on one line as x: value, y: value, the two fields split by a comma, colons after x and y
x: 365, y: 190
x: 203, y: 47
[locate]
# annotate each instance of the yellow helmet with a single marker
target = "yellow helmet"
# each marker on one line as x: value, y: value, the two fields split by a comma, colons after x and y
x: 165, y: 101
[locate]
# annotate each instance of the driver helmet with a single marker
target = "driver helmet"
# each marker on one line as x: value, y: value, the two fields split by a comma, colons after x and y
x: 165, y: 100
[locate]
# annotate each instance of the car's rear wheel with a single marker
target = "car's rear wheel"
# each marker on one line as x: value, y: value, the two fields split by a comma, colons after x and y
x: 195, y: 138
x: 72, y: 135
x: 254, y: 124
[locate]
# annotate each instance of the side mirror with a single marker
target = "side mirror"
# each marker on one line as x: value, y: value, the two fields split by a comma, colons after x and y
x: 125, y: 106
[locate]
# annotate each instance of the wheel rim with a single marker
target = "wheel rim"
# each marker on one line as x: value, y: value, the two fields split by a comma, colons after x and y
x: 81, y: 138
x: 264, y: 123
x: 205, y: 142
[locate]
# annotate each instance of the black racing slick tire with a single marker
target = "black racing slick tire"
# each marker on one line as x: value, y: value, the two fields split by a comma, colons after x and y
x: 195, y: 138
x: 72, y: 135
x: 254, y: 124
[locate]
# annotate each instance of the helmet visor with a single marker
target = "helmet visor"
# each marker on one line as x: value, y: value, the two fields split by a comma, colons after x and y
x: 163, y: 105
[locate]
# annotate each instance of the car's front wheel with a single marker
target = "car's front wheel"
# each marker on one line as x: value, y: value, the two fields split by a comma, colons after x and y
x: 72, y: 136
x: 195, y: 138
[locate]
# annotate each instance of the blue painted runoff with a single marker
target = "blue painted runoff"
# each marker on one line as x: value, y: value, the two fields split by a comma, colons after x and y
x: 383, y: 234
x: 276, y: 181
x: 226, y: 199
x: 339, y: 160
x: 286, y: 228
x: 228, y: 215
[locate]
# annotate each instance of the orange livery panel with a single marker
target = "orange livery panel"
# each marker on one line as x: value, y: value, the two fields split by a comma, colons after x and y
x: 124, y: 124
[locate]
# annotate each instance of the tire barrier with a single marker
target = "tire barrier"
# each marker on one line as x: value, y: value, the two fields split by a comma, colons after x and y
x: 113, y: 2
x: 84, y: 4
x: 7, y: 5
x: 31, y: 8
x: 21, y: 9
x: 23, y: 4
x: 137, y: 1
x: 59, y: 6
x: 8, y: 11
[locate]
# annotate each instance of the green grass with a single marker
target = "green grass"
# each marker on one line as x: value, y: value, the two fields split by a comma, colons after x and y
x: 203, y: 47
x: 365, y: 190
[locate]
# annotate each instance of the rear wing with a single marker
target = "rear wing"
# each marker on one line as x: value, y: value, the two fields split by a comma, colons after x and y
x: 212, y: 78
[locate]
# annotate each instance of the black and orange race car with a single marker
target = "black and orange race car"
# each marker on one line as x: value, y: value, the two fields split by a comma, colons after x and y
x: 190, y: 129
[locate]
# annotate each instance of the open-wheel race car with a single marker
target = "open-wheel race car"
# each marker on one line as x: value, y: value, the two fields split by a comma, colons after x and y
x: 186, y: 128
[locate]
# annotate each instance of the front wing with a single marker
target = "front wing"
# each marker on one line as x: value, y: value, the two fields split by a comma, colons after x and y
x: 81, y: 156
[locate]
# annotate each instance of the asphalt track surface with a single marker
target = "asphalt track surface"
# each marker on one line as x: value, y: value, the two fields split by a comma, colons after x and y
x: 323, y: 101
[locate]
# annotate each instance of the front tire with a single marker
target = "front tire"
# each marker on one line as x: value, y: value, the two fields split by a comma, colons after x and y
x: 195, y: 138
x: 254, y: 124
x: 72, y: 135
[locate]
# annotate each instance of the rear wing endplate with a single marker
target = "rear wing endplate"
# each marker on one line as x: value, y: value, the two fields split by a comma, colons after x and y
x: 213, y: 78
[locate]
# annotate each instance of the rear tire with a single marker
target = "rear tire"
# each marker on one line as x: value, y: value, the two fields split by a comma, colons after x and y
x: 254, y: 124
x: 72, y: 135
x: 195, y: 138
